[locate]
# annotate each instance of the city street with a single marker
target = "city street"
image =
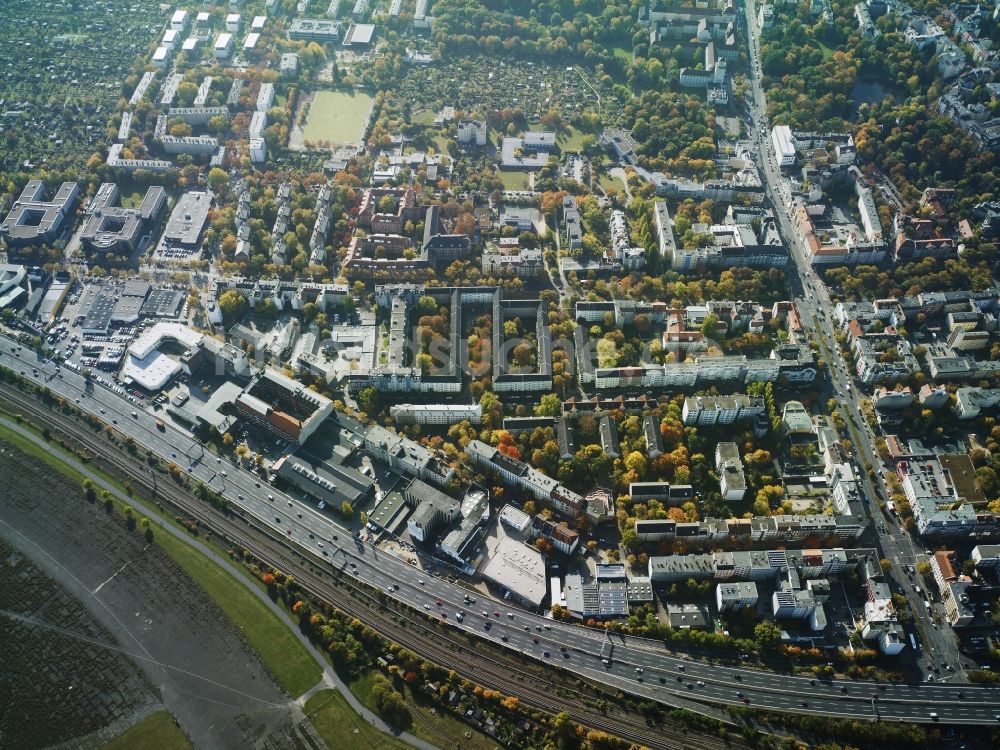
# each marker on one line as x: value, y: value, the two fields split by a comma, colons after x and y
x: 634, y: 664
x: 816, y: 309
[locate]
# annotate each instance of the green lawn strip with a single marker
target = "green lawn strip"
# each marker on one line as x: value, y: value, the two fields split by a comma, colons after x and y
x: 623, y: 53
x: 340, y: 727
x: 157, y: 731
x: 286, y: 657
x: 426, y: 117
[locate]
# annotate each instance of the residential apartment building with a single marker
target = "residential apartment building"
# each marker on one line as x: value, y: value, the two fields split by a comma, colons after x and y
x: 472, y: 132
x: 710, y: 410
x: 512, y: 262
x: 559, y: 535
x: 407, y: 456
x: 435, y: 413
x: 757, y: 566
x: 756, y: 529
x: 519, y: 474
x: 732, y: 596
x: 732, y: 481
x: 937, y: 509
x: 609, y: 437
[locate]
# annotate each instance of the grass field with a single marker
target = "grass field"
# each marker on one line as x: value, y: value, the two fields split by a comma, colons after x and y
x: 608, y: 182
x: 623, y: 53
x: 340, y: 727
x: 514, y: 180
x: 425, y: 117
x: 156, y: 732
x: 292, y: 665
x: 573, y: 140
x: 337, y: 116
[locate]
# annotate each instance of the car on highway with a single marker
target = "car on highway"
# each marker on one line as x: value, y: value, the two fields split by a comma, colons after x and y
x: 439, y: 602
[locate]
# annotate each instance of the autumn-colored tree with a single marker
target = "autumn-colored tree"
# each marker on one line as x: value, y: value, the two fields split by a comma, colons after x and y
x: 511, y: 703
x: 510, y: 450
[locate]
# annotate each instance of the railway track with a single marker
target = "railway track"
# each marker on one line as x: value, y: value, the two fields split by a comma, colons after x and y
x: 419, y: 634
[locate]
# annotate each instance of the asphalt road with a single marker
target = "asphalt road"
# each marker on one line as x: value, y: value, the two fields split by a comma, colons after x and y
x: 816, y: 308
x: 663, y: 677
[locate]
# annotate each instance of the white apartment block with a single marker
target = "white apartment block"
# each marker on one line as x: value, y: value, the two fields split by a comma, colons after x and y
x: 709, y: 410
x: 436, y: 413
x: 732, y: 481
x: 265, y: 97
x: 472, y: 132
x: 733, y: 596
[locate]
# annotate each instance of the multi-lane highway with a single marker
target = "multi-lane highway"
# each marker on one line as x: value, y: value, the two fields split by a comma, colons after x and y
x: 816, y: 309
x: 637, y: 665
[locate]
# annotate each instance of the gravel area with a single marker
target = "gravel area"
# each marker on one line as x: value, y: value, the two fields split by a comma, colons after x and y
x: 101, y: 581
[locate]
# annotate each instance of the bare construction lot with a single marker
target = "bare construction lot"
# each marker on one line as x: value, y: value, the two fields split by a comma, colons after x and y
x: 97, y: 629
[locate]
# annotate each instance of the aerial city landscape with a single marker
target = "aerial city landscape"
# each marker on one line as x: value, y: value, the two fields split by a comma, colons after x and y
x: 483, y: 374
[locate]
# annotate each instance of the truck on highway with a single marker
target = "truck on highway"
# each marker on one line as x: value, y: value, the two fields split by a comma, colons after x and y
x: 160, y: 425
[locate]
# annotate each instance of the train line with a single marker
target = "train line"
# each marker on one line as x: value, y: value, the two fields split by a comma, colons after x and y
x: 499, y: 672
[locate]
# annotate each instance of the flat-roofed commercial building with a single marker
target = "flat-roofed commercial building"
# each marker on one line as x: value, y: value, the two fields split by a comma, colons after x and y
x: 735, y: 595
x: 32, y: 219
x: 325, y: 480
x: 434, y: 509
x: 518, y: 570
x: 187, y: 220
x: 110, y: 228
x: 314, y: 29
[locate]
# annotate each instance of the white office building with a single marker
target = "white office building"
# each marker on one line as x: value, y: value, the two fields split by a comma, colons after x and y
x: 784, y: 145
